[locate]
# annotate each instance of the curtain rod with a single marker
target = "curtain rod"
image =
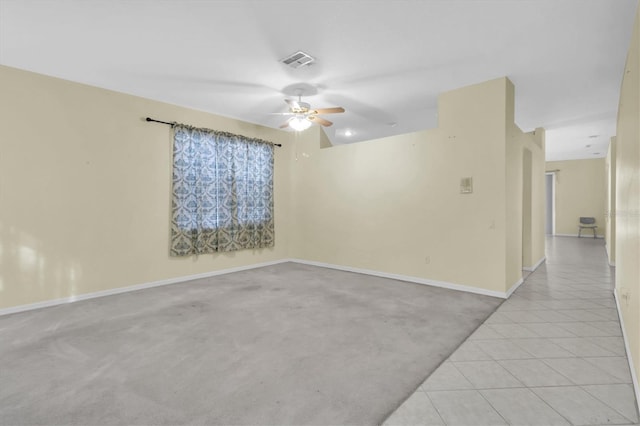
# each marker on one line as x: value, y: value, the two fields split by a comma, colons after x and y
x: 173, y: 124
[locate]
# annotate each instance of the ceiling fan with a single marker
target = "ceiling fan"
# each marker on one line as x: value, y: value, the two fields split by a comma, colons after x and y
x: 303, y: 116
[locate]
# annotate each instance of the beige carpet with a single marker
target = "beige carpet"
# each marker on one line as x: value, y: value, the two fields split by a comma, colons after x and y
x: 285, y: 344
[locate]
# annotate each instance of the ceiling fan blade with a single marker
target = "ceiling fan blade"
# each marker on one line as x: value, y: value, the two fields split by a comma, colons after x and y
x: 286, y: 123
x: 319, y: 120
x: 333, y: 110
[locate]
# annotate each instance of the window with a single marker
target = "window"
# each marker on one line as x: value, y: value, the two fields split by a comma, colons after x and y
x: 222, y: 198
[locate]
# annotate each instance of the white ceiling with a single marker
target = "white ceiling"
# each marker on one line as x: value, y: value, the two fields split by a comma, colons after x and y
x: 385, y: 62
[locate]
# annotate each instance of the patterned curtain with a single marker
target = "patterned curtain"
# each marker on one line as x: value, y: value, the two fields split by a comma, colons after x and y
x: 222, y: 192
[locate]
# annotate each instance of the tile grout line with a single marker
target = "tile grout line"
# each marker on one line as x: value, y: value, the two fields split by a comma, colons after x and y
x: 528, y: 302
x: 495, y: 361
x: 549, y: 405
x: 433, y: 405
x: 494, y: 408
x: 587, y: 358
x: 568, y: 420
x: 578, y: 384
x: 614, y: 409
x: 572, y: 385
x: 603, y: 302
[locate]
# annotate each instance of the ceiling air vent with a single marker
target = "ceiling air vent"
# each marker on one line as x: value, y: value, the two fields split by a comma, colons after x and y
x: 297, y: 59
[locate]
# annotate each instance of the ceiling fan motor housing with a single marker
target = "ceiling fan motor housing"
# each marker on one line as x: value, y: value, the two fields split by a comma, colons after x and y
x: 303, y: 115
x: 300, y: 107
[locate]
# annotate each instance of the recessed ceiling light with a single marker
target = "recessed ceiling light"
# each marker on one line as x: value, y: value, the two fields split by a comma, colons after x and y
x: 596, y: 153
x: 348, y: 133
x: 593, y: 136
x: 393, y: 124
x: 588, y: 146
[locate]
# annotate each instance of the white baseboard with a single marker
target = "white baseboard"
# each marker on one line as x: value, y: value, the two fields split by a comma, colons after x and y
x: 110, y: 292
x: 634, y: 377
x: 536, y: 266
x: 75, y: 298
x: 514, y: 288
x: 598, y: 236
x: 408, y: 278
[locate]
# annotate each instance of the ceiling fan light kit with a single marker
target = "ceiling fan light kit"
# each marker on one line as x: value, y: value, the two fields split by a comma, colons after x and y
x: 304, y: 116
x: 299, y: 123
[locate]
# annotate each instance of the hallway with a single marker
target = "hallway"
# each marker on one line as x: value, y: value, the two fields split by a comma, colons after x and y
x: 552, y: 354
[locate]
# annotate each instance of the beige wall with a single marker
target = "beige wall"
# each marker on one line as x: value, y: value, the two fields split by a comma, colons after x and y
x: 525, y: 194
x: 610, y: 202
x: 538, y: 197
x: 530, y: 195
x: 514, y: 192
x: 580, y: 191
x: 394, y: 204
x: 627, y: 210
x: 85, y: 185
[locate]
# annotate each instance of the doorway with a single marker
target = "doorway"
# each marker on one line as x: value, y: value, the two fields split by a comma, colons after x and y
x: 550, y: 216
x: 527, y: 208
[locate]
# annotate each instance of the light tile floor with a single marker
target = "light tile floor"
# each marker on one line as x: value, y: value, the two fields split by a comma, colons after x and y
x: 552, y: 354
